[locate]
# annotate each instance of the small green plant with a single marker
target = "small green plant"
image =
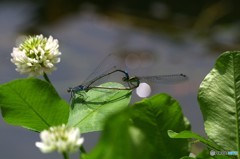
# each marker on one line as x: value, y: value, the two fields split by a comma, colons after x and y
x: 154, y: 128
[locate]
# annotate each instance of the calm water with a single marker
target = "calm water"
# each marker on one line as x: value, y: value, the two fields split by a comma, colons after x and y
x: 87, y: 38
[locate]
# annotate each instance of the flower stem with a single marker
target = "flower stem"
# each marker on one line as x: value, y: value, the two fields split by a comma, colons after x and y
x: 46, y: 78
x: 65, y: 155
x: 82, y: 149
x: 83, y: 152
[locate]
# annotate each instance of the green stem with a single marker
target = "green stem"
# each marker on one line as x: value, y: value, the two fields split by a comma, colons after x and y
x: 82, y: 149
x: 65, y: 155
x: 83, y: 152
x: 46, y: 78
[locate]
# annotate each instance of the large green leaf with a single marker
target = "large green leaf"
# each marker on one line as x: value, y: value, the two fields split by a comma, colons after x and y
x: 90, y: 109
x: 33, y: 104
x: 219, y: 99
x: 141, y: 132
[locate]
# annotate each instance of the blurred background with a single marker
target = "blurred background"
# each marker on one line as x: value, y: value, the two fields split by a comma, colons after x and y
x: 152, y: 37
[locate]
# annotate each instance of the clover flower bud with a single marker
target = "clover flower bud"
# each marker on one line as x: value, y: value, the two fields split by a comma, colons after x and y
x: 60, y: 138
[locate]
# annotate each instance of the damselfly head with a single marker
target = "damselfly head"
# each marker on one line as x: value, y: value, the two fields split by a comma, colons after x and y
x: 75, y: 89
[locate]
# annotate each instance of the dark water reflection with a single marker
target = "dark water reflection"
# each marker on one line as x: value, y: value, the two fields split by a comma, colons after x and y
x: 87, y: 38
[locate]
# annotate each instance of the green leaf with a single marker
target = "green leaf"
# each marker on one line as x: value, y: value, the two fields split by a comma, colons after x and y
x: 219, y: 99
x: 89, y: 110
x: 33, y: 104
x: 190, y: 135
x: 141, y: 132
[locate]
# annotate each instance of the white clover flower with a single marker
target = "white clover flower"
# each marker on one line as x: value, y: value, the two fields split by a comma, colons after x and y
x: 36, y: 55
x: 60, y: 138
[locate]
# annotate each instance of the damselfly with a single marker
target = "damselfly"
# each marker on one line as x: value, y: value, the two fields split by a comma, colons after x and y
x: 132, y: 82
x: 90, y: 84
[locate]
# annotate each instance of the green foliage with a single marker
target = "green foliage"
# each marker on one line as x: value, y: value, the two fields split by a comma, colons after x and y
x: 33, y: 104
x: 219, y: 99
x: 141, y: 132
x: 152, y: 128
x: 90, y: 109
